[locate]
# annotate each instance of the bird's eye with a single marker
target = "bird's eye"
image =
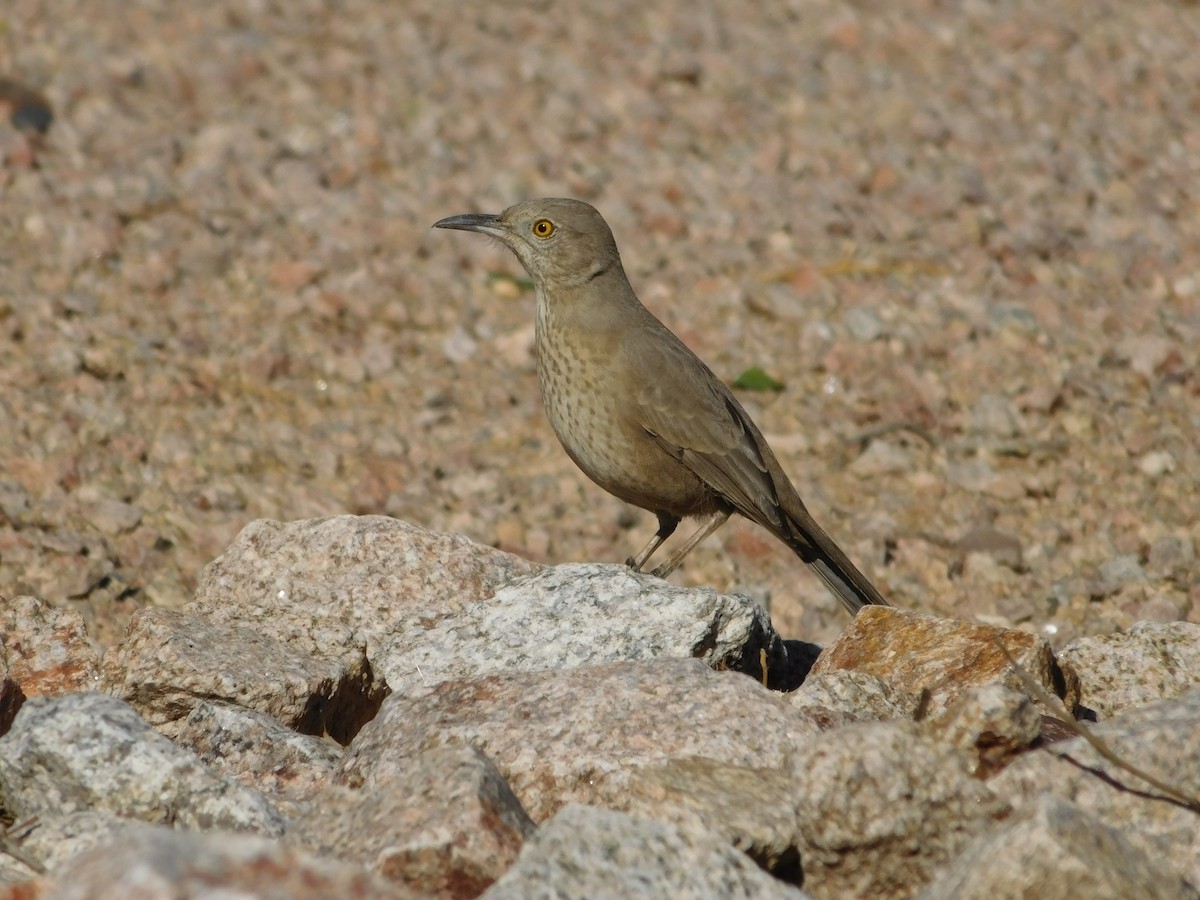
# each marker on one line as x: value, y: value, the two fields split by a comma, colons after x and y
x: 543, y: 228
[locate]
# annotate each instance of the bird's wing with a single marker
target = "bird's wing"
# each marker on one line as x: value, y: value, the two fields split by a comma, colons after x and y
x: 695, y: 418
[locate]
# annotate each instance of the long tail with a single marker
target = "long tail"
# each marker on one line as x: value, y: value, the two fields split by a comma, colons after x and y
x: 823, y: 556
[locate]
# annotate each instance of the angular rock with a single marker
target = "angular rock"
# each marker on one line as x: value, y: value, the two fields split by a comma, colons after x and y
x: 589, y: 852
x: 335, y: 589
x: 158, y: 862
x: 1053, y: 850
x: 54, y: 840
x: 44, y: 651
x: 330, y: 587
x: 992, y: 723
x: 17, y: 880
x: 881, y: 807
x: 169, y: 661
x: 553, y: 734
x: 578, y: 615
x: 447, y: 826
x: 18, y: 863
x: 857, y: 694
x: 1114, y: 672
x: 752, y: 809
x: 1162, y: 739
x: 257, y: 750
x: 84, y: 752
x: 946, y: 657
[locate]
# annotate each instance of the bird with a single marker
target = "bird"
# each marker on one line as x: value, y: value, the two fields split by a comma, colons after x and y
x: 636, y: 410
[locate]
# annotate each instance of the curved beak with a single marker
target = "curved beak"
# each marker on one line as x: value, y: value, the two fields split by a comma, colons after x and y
x: 486, y: 223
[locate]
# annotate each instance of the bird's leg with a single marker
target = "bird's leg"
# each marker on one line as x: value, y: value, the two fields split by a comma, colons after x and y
x: 667, y: 524
x: 711, y: 524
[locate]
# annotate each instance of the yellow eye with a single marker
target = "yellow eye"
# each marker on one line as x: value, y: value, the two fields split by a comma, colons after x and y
x: 543, y: 228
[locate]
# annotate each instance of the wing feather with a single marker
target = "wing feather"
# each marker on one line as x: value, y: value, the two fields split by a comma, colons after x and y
x: 696, y: 419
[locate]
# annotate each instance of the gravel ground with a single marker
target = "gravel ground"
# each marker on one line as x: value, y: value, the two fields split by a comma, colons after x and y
x: 965, y: 237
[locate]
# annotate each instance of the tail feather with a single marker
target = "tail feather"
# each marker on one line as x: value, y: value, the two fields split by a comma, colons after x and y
x: 827, y: 560
x: 852, y: 588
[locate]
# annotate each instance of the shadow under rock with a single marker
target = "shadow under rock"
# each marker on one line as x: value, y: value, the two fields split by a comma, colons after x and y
x: 801, y: 655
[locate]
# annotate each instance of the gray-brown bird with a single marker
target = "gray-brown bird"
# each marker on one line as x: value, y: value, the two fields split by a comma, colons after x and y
x: 638, y: 411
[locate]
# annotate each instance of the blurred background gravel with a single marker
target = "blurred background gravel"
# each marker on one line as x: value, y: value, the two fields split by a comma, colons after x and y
x: 965, y: 237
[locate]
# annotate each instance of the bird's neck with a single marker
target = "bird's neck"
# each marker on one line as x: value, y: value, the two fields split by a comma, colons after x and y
x: 600, y: 301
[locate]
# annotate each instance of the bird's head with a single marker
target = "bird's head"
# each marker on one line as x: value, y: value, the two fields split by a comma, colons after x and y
x: 559, y: 242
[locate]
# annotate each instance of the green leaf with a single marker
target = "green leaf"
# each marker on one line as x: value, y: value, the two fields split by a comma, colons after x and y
x: 507, y: 285
x: 755, y: 379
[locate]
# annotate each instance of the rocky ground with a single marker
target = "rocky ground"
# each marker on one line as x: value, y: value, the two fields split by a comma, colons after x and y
x: 356, y: 707
x: 964, y: 237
